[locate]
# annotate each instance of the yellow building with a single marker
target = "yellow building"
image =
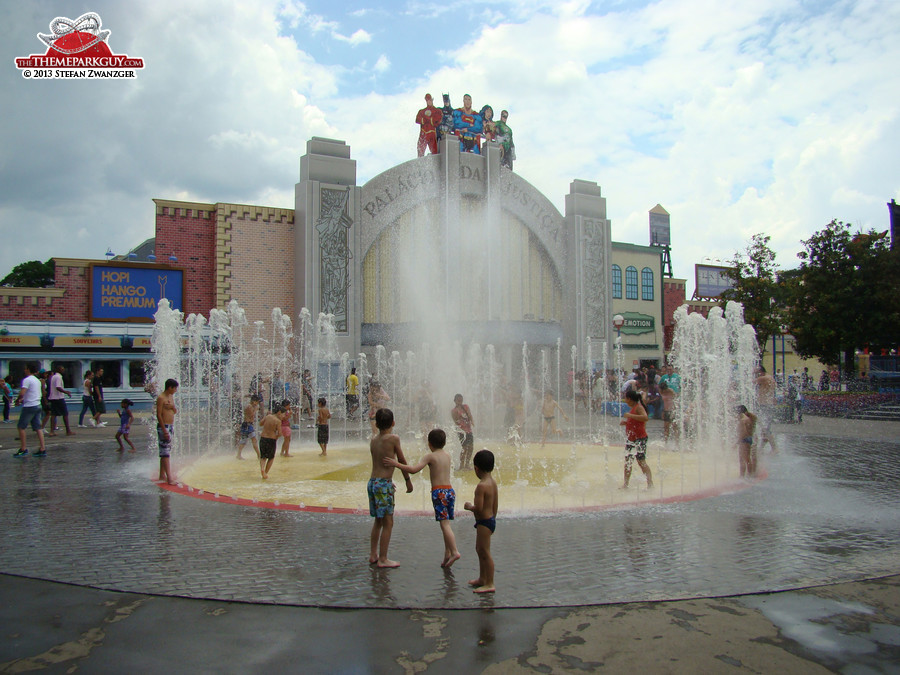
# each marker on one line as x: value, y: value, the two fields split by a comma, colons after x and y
x: 637, y: 296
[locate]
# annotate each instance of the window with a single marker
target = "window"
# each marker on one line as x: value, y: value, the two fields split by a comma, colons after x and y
x: 73, y: 377
x: 137, y: 376
x: 631, y: 285
x: 647, y: 284
x: 617, y: 281
x: 17, y: 370
x: 112, y: 372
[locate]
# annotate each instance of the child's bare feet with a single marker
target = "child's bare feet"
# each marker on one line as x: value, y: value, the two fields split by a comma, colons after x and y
x: 373, y: 559
x: 484, y: 589
x: 448, y: 562
x: 388, y: 563
x: 121, y: 448
x: 322, y: 454
x: 264, y: 475
x: 476, y: 582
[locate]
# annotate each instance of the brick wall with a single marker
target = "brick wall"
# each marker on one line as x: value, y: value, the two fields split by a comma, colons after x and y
x: 188, y: 231
x: 66, y: 301
x: 257, y: 259
x: 673, y: 298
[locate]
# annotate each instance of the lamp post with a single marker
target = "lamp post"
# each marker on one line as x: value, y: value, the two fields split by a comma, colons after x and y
x: 618, y: 322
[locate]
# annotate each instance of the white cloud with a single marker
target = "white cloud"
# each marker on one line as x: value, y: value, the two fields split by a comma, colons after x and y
x: 737, y: 118
x: 359, y: 37
x: 382, y: 65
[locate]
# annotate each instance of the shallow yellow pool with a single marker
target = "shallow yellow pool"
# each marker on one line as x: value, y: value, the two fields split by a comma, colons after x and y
x: 530, y: 478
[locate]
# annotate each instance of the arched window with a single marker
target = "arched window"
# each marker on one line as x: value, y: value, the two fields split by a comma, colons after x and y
x: 617, y: 281
x: 646, y: 284
x: 631, y: 285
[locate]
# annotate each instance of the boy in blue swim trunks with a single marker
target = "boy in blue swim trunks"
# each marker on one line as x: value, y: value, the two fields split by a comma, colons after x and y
x: 247, y: 433
x: 485, y: 510
x: 381, y: 488
x: 165, y: 420
x: 442, y: 495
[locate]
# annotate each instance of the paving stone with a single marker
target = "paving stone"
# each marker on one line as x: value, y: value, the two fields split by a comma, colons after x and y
x: 827, y: 512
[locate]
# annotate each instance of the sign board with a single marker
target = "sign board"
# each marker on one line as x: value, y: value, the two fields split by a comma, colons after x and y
x: 129, y: 292
x: 637, y: 324
x: 87, y: 342
x: 711, y: 281
x: 20, y: 341
x: 141, y: 343
x: 659, y: 229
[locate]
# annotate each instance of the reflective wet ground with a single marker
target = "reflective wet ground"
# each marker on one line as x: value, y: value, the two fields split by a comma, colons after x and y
x: 89, y: 516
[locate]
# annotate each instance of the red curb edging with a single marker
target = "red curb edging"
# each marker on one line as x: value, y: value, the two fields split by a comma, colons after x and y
x: 188, y: 491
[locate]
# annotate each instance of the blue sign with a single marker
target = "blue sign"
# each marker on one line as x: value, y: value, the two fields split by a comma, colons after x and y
x: 132, y: 293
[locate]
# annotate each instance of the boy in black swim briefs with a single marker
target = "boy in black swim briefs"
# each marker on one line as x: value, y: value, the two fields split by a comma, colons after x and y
x: 485, y: 509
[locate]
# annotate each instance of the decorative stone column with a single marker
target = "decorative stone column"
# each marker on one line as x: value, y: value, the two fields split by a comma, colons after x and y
x: 587, y: 284
x: 327, y: 247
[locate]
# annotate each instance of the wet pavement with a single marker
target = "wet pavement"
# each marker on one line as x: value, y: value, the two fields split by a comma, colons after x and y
x: 88, y: 516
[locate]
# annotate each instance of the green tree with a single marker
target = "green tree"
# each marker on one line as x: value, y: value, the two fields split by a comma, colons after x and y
x: 757, y: 288
x: 31, y: 274
x: 844, y: 295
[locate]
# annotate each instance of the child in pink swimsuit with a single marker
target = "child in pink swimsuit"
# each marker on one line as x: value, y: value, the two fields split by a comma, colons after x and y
x: 286, y: 428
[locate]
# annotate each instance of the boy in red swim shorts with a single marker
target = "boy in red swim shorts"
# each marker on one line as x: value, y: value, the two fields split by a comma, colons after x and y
x: 443, y: 496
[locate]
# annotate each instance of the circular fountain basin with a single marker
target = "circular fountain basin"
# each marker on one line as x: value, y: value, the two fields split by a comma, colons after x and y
x: 556, y: 477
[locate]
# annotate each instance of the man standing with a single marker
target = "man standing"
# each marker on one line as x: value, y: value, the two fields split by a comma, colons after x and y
x: 352, y: 393
x: 57, y: 402
x: 671, y: 379
x: 30, y: 399
x: 97, y: 394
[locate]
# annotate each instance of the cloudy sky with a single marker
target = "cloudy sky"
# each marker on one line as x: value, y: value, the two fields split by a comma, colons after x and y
x: 770, y: 116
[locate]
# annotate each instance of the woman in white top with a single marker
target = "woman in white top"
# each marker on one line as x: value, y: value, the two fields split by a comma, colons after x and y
x: 87, y: 400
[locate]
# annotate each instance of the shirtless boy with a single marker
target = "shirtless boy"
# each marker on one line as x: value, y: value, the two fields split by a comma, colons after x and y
x: 442, y: 495
x: 485, y: 509
x: 271, y: 430
x: 165, y: 420
x: 746, y: 427
x: 668, y: 398
x: 548, y: 411
x: 248, y: 430
x: 323, y: 414
x: 381, y: 487
x: 766, y: 385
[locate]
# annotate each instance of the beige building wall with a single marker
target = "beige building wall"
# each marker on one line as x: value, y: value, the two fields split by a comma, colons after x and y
x: 402, y: 278
x: 647, y: 345
x: 255, y: 253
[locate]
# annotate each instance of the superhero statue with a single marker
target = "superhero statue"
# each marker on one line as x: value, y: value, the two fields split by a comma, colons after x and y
x: 468, y: 124
x: 428, y: 119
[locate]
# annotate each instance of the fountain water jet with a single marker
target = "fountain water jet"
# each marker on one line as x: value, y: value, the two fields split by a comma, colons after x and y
x: 214, y: 361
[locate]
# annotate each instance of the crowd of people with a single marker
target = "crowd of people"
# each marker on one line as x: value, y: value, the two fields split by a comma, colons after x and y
x: 43, y: 398
x: 647, y: 394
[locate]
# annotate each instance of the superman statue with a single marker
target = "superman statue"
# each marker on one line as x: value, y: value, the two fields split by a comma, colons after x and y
x: 468, y: 124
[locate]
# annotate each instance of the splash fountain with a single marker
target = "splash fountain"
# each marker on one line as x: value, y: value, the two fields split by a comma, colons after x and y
x: 220, y: 361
